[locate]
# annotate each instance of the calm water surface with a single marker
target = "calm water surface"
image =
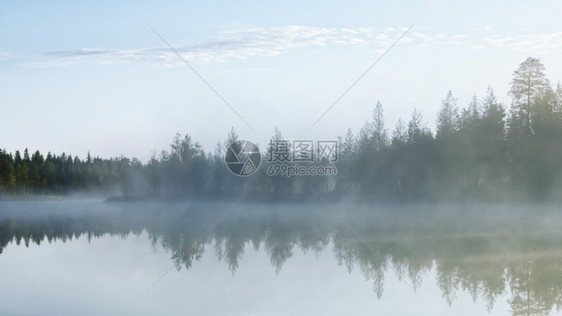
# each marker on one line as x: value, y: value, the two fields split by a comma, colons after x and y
x: 95, y: 258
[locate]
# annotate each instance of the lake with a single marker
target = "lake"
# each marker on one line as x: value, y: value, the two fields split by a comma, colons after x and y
x: 88, y: 257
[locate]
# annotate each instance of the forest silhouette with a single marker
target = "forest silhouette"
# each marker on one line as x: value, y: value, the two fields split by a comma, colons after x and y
x: 485, y: 151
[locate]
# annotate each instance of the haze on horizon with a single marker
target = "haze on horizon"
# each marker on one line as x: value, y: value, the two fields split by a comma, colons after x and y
x: 78, y: 78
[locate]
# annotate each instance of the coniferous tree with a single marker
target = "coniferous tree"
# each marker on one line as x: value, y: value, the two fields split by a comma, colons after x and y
x: 531, y: 101
x: 448, y: 117
x: 529, y: 84
x: 380, y: 135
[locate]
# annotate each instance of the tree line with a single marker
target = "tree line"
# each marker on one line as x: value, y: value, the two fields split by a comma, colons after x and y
x: 486, y: 151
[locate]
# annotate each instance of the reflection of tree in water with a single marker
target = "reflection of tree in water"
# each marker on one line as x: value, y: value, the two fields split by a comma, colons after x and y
x: 536, y: 287
x: 526, y: 265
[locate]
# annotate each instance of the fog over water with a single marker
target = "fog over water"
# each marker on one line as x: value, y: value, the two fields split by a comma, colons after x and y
x: 243, y: 158
x: 100, y: 258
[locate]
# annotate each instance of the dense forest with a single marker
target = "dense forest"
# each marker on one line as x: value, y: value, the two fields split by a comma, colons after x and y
x: 485, y: 151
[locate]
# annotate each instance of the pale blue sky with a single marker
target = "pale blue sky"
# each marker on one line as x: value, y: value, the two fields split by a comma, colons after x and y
x: 79, y: 76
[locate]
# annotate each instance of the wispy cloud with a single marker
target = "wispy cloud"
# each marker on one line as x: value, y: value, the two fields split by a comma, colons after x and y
x: 545, y: 43
x: 243, y: 43
x: 5, y: 55
x: 234, y: 44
